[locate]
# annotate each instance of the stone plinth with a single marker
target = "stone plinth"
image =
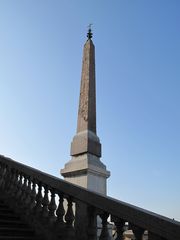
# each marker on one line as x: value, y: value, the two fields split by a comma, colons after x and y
x: 86, y: 142
x: 88, y: 171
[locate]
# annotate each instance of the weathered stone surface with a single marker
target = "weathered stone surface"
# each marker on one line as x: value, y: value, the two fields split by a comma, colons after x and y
x: 86, y: 142
x: 87, y: 100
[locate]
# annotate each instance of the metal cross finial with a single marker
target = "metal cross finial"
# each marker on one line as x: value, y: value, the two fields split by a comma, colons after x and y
x: 89, y: 34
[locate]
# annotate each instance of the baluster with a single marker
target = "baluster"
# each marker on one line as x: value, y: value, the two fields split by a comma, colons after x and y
x: 28, y: 193
x: 52, y: 207
x: 138, y: 232
x: 27, y: 196
x: 60, y: 224
x: 24, y: 186
x: 104, y: 232
x: 45, y: 202
x: 38, y: 206
x: 20, y: 184
x: 60, y: 211
x: 119, y: 223
x: 33, y: 195
x: 69, y: 218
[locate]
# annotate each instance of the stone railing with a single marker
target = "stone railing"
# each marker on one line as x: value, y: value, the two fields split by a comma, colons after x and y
x: 60, y: 210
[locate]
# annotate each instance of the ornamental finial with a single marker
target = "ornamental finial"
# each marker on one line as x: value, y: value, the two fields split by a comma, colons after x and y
x: 89, y: 34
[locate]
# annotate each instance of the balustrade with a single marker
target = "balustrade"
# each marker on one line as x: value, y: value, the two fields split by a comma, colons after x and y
x: 48, y: 203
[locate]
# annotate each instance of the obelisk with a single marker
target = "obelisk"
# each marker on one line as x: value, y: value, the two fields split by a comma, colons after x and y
x: 85, y: 168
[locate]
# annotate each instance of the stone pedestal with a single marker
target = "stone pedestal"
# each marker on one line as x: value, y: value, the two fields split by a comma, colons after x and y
x: 86, y: 170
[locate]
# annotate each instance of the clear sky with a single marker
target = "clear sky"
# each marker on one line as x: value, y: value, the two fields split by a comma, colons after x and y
x: 138, y: 84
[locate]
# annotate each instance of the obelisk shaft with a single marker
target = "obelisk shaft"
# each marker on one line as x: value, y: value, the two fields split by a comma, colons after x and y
x: 87, y: 100
x: 86, y: 140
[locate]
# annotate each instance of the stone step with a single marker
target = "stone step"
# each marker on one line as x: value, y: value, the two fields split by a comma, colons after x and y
x: 3, y: 206
x: 11, y: 225
x: 19, y: 238
x: 10, y: 216
x: 6, y: 211
x: 13, y: 222
x: 12, y: 231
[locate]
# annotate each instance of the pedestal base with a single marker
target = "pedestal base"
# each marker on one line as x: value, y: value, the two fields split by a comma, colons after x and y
x: 87, y: 171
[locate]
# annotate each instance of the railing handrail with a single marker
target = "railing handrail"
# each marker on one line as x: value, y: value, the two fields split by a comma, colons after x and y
x: 158, y: 224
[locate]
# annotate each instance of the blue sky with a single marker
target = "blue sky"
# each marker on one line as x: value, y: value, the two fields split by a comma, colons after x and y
x: 138, y: 84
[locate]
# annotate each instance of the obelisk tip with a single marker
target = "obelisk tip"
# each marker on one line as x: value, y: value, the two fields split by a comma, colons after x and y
x: 89, y: 33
